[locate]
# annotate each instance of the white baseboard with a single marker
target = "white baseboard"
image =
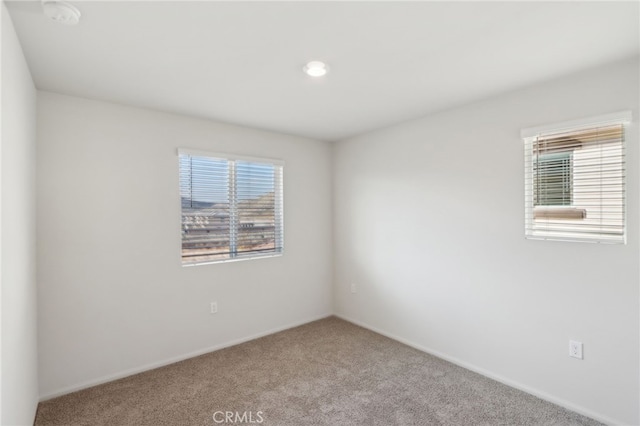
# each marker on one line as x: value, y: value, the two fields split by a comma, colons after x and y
x: 540, y: 394
x: 147, y: 367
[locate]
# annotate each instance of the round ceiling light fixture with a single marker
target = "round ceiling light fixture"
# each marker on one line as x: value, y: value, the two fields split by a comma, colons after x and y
x: 316, y: 69
x: 61, y: 12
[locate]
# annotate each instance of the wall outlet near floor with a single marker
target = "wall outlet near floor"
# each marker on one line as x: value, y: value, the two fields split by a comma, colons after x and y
x: 575, y: 349
x: 354, y: 288
x: 214, y: 307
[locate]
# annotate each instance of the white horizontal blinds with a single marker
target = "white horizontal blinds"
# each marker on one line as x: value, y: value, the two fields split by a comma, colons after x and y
x: 206, y: 208
x: 575, y: 184
x: 230, y: 208
x: 259, y: 195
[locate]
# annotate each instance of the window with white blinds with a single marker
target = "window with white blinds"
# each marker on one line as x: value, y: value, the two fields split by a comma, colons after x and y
x: 575, y: 180
x: 232, y: 207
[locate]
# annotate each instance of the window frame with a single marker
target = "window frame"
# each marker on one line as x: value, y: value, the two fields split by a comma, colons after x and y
x: 570, y: 212
x: 278, y: 203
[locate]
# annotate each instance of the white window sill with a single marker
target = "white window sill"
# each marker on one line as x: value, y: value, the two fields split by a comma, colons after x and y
x: 235, y: 259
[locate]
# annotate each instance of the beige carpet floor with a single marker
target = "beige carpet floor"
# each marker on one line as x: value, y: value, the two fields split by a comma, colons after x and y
x: 327, y: 372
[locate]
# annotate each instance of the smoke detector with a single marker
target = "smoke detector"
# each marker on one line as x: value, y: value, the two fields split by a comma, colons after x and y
x: 61, y: 12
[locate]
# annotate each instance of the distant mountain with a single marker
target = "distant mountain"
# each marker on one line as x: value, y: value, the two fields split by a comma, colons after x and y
x: 263, y: 202
x: 193, y: 204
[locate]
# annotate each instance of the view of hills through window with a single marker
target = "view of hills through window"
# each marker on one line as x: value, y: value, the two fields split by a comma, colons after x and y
x: 230, y: 208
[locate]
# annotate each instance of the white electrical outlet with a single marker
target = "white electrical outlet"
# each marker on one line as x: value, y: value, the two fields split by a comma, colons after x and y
x: 353, y: 287
x: 214, y: 307
x: 575, y: 349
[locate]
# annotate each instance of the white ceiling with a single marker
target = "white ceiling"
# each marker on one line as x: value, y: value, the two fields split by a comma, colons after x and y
x: 241, y: 62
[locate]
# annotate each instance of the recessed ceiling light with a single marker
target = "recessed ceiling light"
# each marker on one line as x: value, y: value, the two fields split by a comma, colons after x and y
x: 316, y: 69
x: 61, y: 12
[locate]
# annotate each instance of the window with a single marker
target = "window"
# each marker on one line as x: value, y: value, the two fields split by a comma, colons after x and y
x: 552, y: 185
x: 575, y: 180
x: 231, y: 207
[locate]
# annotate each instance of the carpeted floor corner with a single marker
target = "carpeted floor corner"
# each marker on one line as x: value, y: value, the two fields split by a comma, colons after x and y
x: 328, y: 372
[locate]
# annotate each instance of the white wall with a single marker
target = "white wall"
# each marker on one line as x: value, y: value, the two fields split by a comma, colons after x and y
x: 113, y: 296
x: 429, y: 219
x: 17, y: 226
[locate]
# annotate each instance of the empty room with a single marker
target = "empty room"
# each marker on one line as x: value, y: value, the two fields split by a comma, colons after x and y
x: 320, y: 213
